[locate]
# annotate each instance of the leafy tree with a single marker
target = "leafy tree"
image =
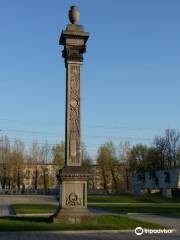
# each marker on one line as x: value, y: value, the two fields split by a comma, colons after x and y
x: 107, y: 160
x: 5, y: 163
x: 58, y: 153
x: 87, y: 165
x: 138, y: 158
x: 123, y: 151
x: 17, y: 158
x: 45, y: 157
x: 153, y: 159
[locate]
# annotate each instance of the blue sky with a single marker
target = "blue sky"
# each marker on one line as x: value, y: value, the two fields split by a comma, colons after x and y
x: 131, y: 72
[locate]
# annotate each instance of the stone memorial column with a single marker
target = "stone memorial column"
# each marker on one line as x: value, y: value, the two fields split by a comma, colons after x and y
x: 73, y: 178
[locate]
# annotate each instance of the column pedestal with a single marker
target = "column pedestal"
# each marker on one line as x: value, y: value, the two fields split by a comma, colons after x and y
x: 73, y: 196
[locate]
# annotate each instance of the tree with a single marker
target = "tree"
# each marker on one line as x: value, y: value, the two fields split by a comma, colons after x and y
x: 58, y: 152
x: 107, y: 160
x: 85, y: 158
x: 17, y: 158
x: 5, y: 164
x: 123, y: 151
x: 172, y: 137
x: 138, y: 158
x: 168, y: 147
x: 87, y: 165
x: 35, y: 159
x: 44, y: 158
x: 153, y: 159
x: 160, y: 145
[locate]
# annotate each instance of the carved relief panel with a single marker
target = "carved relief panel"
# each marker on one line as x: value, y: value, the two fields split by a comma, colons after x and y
x: 74, y: 194
x: 74, y: 114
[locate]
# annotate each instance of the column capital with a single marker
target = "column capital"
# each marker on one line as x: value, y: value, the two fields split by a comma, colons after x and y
x: 74, y: 40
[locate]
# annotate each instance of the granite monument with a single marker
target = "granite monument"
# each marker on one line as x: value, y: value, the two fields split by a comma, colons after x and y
x: 73, y: 177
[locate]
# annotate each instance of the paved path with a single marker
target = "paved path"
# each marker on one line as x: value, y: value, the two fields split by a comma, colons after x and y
x: 26, y: 199
x: 6, y: 210
x: 173, y: 223
x: 81, y: 236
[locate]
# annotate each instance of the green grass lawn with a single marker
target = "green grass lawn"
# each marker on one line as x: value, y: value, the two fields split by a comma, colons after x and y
x: 130, y: 204
x: 124, y: 204
x: 101, y: 222
x: 164, y: 209
x: 130, y: 199
x: 34, y: 208
x: 116, y: 204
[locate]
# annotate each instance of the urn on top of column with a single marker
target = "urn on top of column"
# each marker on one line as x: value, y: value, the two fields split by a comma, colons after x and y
x: 74, y: 38
x: 74, y: 14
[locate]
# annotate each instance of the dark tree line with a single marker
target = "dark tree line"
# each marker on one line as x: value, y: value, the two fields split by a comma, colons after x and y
x: 164, y: 153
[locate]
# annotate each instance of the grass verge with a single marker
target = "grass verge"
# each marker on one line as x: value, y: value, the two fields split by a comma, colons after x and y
x: 116, y: 204
x: 130, y: 199
x: 161, y: 209
x: 129, y: 204
x: 107, y: 222
x: 34, y: 208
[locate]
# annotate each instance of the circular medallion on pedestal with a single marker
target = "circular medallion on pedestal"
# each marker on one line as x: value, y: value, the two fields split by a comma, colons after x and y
x: 73, y: 200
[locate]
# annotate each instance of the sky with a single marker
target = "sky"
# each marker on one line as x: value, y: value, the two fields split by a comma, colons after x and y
x: 131, y: 71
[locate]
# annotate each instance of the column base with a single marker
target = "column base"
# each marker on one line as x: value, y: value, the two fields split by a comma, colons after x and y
x: 74, y: 216
x: 73, y: 196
